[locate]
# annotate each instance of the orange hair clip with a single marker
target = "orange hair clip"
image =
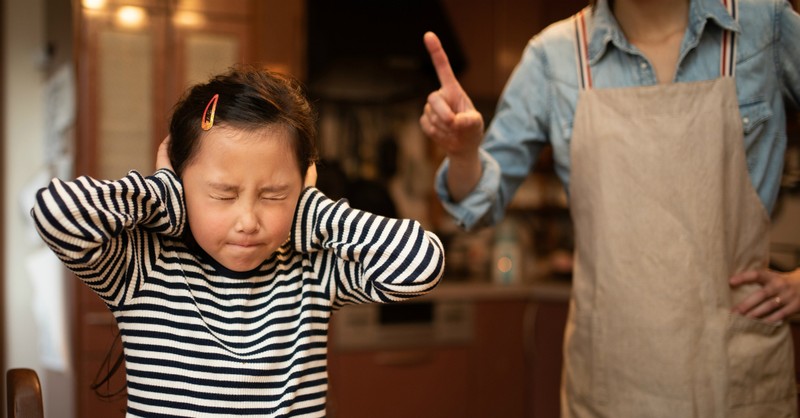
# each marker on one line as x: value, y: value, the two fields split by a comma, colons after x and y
x: 208, y: 117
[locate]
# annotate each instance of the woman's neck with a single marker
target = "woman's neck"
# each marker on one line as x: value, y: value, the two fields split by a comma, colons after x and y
x: 656, y: 28
x: 651, y: 21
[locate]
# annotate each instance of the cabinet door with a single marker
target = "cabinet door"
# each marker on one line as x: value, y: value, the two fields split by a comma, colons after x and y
x: 497, y: 360
x: 135, y: 63
x: 205, y: 45
x: 118, y: 87
x: 544, y: 341
x: 427, y: 382
x: 118, y: 103
x: 493, y: 35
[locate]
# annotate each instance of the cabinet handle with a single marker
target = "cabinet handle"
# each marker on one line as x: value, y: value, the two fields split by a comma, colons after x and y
x: 99, y: 318
x: 403, y: 358
x: 529, y: 318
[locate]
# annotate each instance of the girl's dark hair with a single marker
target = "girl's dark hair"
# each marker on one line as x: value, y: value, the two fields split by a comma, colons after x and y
x: 251, y: 99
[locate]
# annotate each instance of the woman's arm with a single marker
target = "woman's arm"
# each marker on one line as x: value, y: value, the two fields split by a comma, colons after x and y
x: 778, y: 294
x: 788, y: 50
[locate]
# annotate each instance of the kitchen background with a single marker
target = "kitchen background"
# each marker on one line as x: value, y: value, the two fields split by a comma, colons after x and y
x: 88, y: 86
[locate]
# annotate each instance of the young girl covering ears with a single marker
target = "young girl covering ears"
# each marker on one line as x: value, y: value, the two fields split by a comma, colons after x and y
x: 223, y: 268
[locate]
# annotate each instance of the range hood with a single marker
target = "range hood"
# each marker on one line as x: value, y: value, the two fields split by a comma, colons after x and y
x: 371, y: 51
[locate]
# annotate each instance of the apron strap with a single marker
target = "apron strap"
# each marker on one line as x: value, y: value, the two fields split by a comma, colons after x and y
x: 727, y: 53
x: 727, y: 60
x: 582, y: 52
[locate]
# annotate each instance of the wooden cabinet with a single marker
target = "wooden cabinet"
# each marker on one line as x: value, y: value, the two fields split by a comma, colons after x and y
x: 493, y: 35
x: 95, y: 336
x: 483, y: 377
x: 412, y: 382
x: 279, y: 35
x: 135, y: 59
x: 497, y: 364
x: 544, y: 351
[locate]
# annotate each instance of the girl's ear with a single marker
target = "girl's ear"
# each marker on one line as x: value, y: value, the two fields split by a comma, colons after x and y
x: 311, y: 176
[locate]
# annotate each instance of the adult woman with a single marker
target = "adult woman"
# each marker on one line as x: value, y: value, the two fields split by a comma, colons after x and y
x: 667, y: 124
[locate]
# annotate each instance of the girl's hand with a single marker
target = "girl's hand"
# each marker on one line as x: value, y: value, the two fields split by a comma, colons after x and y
x: 778, y: 298
x: 311, y: 176
x: 162, y: 157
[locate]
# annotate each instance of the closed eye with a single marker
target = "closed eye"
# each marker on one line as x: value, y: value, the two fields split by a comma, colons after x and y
x: 217, y: 197
x: 278, y: 192
x: 274, y: 197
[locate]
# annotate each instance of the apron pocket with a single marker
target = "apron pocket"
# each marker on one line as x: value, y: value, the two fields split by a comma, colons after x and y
x: 651, y: 359
x: 581, y: 361
x: 760, y: 362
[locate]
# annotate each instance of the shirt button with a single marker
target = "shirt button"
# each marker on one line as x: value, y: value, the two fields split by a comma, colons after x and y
x: 643, y: 65
x: 745, y: 120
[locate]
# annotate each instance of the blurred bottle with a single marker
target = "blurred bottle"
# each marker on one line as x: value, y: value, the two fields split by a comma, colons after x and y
x: 507, y: 257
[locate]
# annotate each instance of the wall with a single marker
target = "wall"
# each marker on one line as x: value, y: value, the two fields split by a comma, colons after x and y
x: 24, y: 131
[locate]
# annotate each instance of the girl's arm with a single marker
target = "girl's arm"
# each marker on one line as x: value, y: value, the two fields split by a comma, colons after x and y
x: 102, y: 229
x: 374, y: 258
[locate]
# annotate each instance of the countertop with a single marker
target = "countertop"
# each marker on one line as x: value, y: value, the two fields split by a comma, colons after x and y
x: 538, y: 290
x: 541, y: 290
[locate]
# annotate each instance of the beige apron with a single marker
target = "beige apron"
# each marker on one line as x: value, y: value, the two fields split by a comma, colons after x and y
x: 664, y: 214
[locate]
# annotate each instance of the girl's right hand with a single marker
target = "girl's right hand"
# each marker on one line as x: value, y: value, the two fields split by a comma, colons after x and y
x: 162, y: 156
x: 449, y: 117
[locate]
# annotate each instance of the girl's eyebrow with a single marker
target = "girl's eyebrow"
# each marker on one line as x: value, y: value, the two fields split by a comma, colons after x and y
x: 224, y: 187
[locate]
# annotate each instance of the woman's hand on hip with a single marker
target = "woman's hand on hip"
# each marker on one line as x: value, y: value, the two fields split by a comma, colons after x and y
x: 777, y: 299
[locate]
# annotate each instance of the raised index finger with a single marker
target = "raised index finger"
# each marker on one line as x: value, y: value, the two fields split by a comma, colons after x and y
x: 440, y: 62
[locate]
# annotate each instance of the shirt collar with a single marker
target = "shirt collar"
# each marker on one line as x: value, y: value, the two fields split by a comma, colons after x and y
x: 605, y: 30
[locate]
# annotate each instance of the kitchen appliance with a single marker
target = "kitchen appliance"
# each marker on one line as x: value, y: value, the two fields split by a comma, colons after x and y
x: 403, y: 325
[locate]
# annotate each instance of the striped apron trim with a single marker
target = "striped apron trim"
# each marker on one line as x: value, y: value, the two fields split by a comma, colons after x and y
x: 582, y: 51
x: 728, y: 54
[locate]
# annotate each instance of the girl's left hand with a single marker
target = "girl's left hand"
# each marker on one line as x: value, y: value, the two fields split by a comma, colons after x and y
x: 311, y: 176
x: 778, y: 298
x: 162, y: 157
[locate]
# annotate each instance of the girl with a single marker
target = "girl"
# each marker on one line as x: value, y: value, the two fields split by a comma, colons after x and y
x: 667, y: 124
x: 222, y: 269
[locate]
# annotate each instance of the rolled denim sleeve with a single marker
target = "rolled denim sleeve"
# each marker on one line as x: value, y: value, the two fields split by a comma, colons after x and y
x: 476, y: 209
x: 788, y: 51
x: 515, y: 137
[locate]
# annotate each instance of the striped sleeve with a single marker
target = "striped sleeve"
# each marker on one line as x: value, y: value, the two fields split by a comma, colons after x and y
x: 369, y: 258
x: 101, y: 229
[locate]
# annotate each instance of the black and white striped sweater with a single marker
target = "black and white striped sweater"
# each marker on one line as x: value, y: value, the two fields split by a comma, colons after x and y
x: 202, y: 340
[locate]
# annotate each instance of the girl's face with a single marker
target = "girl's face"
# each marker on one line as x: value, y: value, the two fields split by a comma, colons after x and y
x: 241, y: 189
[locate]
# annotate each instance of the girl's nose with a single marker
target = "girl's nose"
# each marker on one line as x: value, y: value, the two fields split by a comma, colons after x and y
x: 247, y: 221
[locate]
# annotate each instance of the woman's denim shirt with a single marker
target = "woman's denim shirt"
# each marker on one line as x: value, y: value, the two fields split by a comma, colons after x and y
x: 538, y: 102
